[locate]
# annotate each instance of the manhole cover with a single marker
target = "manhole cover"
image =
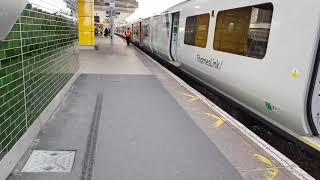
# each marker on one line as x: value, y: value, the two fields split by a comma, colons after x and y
x: 50, y: 161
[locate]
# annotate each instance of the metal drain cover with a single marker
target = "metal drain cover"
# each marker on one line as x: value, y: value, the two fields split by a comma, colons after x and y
x: 50, y: 161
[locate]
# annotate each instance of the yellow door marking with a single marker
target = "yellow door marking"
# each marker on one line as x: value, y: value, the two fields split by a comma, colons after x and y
x: 272, y: 171
x: 193, y: 97
x: 310, y: 143
x: 218, y: 120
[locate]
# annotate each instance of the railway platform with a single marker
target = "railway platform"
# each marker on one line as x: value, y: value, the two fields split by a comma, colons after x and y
x: 126, y: 117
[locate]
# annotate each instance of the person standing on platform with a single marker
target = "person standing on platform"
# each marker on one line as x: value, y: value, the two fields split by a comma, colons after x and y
x: 110, y: 33
x: 96, y: 30
x: 127, y: 34
x: 106, y: 32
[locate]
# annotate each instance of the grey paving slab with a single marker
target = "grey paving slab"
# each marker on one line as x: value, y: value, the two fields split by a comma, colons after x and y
x: 111, y: 58
x: 145, y: 134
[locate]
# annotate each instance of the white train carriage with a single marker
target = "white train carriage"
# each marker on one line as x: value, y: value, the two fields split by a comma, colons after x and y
x: 136, y: 32
x: 121, y: 30
x: 146, y: 34
x: 256, y: 52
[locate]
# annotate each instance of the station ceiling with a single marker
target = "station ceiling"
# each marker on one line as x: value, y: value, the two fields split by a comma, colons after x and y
x: 124, y: 7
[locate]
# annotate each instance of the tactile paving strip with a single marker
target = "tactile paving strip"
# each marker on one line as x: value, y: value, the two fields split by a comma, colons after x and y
x: 50, y: 161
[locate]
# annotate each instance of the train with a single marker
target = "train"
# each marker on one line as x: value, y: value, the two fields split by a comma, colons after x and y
x: 257, y: 53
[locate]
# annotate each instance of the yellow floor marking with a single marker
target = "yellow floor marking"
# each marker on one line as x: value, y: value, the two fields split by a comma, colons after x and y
x: 310, y: 143
x: 272, y: 171
x: 193, y: 97
x: 264, y: 159
x: 219, y: 120
x: 218, y: 123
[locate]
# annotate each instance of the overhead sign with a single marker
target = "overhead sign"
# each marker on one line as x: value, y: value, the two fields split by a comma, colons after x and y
x: 112, y: 4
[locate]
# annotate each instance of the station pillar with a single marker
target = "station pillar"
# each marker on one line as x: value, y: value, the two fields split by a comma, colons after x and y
x: 86, y: 24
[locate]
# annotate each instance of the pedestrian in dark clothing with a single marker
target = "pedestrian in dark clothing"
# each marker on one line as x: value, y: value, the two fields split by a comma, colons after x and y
x: 106, y: 32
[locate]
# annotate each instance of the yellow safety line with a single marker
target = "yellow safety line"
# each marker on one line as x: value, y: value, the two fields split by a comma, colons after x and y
x: 218, y: 123
x: 219, y: 120
x: 193, y: 97
x: 273, y: 171
x: 213, y: 116
x: 263, y: 159
x: 310, y: 143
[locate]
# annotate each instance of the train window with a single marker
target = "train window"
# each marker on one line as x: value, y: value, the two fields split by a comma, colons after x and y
x: 244, y: 31
x: 196, y: 30
x: 146, y: 29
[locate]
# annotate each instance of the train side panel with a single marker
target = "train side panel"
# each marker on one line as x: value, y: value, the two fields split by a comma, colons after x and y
x: 136, y: 32
x: 120, y: 30
x: 161, y: 29
x: 146, y: 34
x: 276, y: 86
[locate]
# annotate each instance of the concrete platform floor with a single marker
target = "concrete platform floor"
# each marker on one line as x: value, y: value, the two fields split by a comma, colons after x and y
x: 127, y: 118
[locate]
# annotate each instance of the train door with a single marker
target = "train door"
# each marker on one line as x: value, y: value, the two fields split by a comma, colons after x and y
x: 313, y: 104
x: 132, y: 32
x: 140, y: 33
x: 174, y: 35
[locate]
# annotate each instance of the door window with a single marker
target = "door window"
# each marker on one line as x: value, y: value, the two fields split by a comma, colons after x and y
x: 244, y: 31
x: 196, y: 30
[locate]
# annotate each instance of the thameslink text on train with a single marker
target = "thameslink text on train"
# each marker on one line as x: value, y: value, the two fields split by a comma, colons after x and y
x: 210, y: 62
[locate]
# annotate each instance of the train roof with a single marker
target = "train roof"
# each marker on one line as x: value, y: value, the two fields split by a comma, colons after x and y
x: 236, y: 3
x: 179, y: 5
x: 309, y: 6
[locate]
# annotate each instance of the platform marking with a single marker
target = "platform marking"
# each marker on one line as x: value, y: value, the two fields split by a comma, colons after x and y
x: 193, y: 97
x: 278, y: 156
x: 272, y: 171
x: 310, y: 143
x: 219, y: 120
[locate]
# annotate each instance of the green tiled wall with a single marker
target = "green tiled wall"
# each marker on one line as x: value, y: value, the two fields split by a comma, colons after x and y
x: 37, y: 59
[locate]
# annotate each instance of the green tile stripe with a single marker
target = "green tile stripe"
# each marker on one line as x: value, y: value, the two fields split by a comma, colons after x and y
x: 38, y: 57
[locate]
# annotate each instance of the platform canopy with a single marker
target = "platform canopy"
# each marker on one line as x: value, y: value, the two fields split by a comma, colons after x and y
x: 123, y: 8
